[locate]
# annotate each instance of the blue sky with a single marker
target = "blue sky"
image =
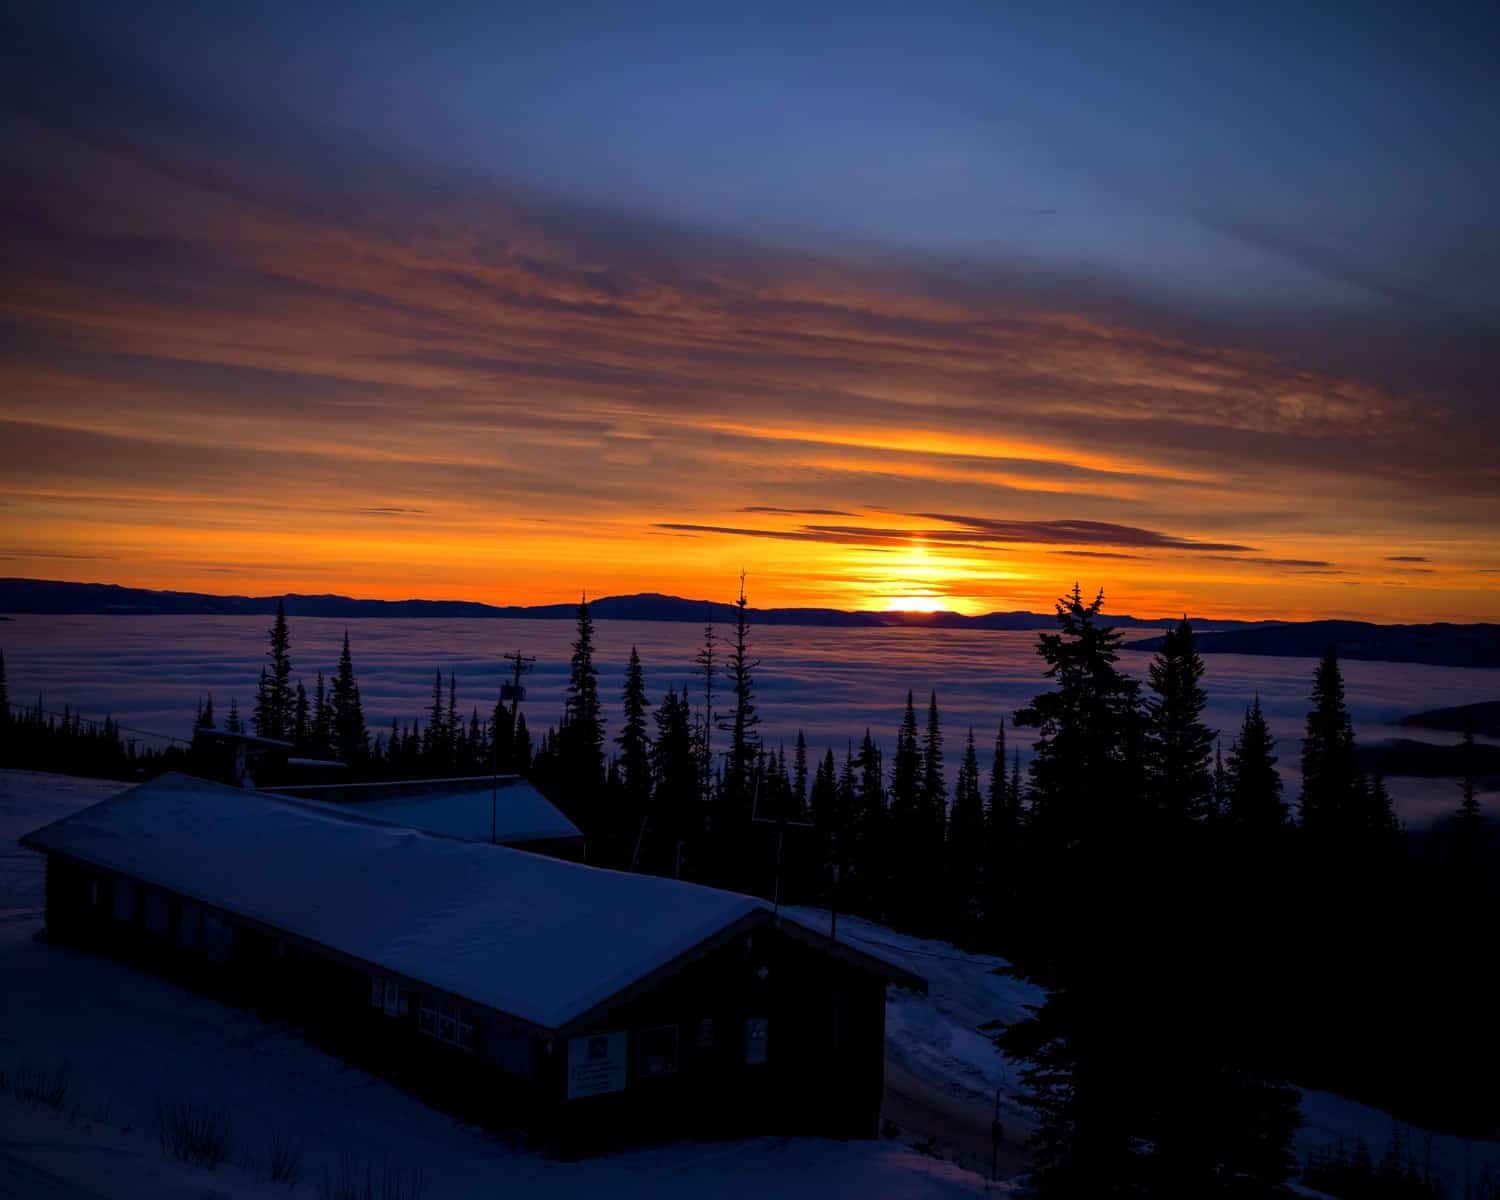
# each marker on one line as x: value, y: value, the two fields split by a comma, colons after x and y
x: 1323, y: 155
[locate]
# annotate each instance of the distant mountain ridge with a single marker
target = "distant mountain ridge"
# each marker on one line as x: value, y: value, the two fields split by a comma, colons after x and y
x: 60, y: 598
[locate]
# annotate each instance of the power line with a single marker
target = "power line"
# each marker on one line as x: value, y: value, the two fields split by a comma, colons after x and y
x: 26, y: 710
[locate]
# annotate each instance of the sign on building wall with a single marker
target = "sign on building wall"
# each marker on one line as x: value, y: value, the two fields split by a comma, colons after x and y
x: 596, y: 1065
x: 757, y: 1041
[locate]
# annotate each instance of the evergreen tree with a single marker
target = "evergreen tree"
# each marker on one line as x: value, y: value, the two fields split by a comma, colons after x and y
x: 301, y: 722
x: 580, y: 738
x: 520, y: 750
x: 436, y: 750
x: 868, y: 834
x: 1330, y: 777
x: 966, y: 845
x: 635, y: 752
x: 744, y: 744
x: 1002, y: 827
x: 206, y: 716
x: 1253, y: 805
x: 1178, y: 742
x: 260, y: 713
x: 907, y: 840
x: 351, y: 740
x: 823, y: 803
x: 1086, y: 781
x: 674, y: 762
x: 322, y: 731
x: 799, y: 775
x: 234, y: 724
x: 452, y: 727
x: 275, y: 710
x: 1083, y: 1051
x: 706, y: 664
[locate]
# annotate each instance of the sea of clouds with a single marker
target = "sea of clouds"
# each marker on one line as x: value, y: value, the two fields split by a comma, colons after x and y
x: 149, y: 673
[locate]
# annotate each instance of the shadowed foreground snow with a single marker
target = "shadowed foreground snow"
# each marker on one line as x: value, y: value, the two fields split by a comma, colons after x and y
x: 131, y: 1040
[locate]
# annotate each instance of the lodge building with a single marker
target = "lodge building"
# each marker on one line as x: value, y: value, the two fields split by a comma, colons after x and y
x: 591, y: 1007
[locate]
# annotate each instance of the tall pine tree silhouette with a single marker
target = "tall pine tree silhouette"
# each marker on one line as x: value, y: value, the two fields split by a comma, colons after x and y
x: 580, y: 737
x: 1178, y: 742
x: 351, y: 739
x: 1253, y: 807
x: 966, y: 847
x: 1328, y: 805
x: 634, y: 741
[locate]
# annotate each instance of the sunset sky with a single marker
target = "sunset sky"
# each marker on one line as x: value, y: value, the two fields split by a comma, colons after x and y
x: 892, y: 306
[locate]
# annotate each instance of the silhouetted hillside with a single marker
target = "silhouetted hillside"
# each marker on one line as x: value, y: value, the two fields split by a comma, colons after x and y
x: 43, y: 596
x: 1485, y: 714
x: 1439, y: 645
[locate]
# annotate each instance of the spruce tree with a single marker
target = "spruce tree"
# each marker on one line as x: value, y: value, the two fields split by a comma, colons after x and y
x: 1086, y: 784
x: 261, y: 716
x: 436, y: 751
x: 907, y: 840
x: 744, y: 743
x: 634, y: 741
x: 206, y: 716
x: 234, y: 725
x: 1001, y: 832
x: 674, y: 762
x: 868, y: 832
x: 1330, y: 777
x: 1253, y: 805
x: 799, y: 775
x: 966, y: 845
x: 1177, y: 740
x: 322, y: 731
x: 706, y: 664
x: 301, y: 721
x: 580, y: 738
x: 276, y: 721
x: 351, y: 740
x: 1083, y: 1052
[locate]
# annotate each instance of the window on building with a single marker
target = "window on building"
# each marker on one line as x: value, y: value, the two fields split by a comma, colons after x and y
x: 446, y: 1021
x: 705, y: 1037
x: 94, y: 892
x: 656, y: 1052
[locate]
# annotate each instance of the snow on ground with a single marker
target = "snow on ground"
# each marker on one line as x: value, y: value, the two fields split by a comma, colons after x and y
x: 1456, y: 1162
x: 939, y: 1037
x: 132, y: 1040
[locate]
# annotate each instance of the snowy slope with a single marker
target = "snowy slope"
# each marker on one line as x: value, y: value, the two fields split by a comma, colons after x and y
x: 29, y: 799
x: 938, y: 1037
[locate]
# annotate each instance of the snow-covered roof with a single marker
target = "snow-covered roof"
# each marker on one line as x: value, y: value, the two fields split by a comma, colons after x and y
x: 512, y: 810
x: 537, y: 938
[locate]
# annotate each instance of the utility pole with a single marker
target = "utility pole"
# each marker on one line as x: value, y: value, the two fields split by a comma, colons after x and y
x: 522, y: 663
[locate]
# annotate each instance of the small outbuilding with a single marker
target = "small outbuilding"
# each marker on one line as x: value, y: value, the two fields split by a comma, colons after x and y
x: 505, y: 810
x: 594, y: 1007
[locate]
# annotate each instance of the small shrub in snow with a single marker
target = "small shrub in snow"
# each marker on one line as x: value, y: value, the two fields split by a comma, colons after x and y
x: 362, y: 1181
x: 38, y: 1087
x: 285, y: 1162
x: 194, y: 1133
